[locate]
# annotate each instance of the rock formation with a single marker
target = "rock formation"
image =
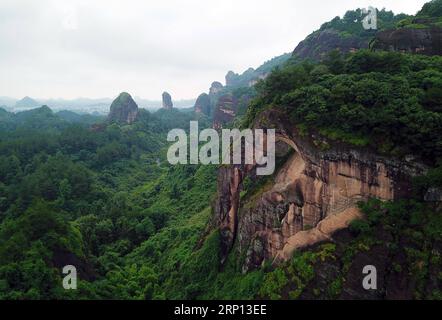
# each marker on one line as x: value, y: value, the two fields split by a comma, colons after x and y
x: 427, y: 41
x: 231, y: 79
x: 225, y: 111
x: 236, y: 80
x: 123, y: 109
x: 251, y: 76
x: 202, y: 104
x: 208, y: 103
x: 313, y: 195
x: 317, y: 45
x: 215, y: 88
x: 27, y: 103
x: 167, y: 101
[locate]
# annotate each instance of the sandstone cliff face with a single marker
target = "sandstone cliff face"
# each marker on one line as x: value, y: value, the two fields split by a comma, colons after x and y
x: 225, y: 111
x: 123, y: 109
x: 167, y: 101
x: 243, y: 80
x: 312, y: 196
x: 215, y: 88
x: 319, y: 44
x: 427, y: 41
x: 202, y: 104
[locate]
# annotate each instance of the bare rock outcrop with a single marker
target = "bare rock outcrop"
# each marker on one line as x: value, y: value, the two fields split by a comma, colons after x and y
x: 167, y: 101
x: 313, y: 194
x: 317, y: 45
x: 206, y: 103
x: 215, y: 88
x: 123, y: 109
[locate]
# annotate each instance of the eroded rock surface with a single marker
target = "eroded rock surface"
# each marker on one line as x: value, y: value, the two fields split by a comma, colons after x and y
x: 317, y: 45
x: 313, y: 195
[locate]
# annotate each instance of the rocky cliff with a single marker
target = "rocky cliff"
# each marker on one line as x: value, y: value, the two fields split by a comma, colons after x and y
x: 427, y: 41
x: 206, y: 103
x: 202, y: 104
x: 123, y: 109
x: 225, y: 110
x: 27, y: 103
x: 167, y: 101
x: 215, y: 88
x: 317, y: 45
x: 313, y: 194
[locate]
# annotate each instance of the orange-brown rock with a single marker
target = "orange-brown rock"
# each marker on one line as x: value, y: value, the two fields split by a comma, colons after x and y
x: 313, y: 195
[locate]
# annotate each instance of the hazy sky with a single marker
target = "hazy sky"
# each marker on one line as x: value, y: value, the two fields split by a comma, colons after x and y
x: 94, y: 48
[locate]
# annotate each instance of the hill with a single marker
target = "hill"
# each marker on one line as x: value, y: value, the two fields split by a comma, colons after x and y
x: 27, y: 103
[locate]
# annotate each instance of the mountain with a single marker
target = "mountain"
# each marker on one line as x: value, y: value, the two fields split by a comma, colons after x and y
x: 345, y: 34
x: 426, y: 41
x: 42, y: 119
x: 432, y: 9
x: 27, y: 103
x: 339, y: 146
x: 357, y: 183
x: 8, y: 102
x: 249, y: 77
x: 420, y: 34
x: 202, y: 104
x: 73, y: 117
x: 123, y: 109
x: 91, y: 105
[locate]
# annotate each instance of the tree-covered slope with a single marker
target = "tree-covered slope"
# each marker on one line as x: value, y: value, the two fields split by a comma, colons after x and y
x: 346, y: 34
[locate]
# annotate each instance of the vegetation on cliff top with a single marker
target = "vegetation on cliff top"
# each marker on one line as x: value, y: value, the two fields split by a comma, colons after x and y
x: 392, y: 101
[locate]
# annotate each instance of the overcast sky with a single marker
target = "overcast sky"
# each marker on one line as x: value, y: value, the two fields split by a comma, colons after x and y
x: 94, y: 48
